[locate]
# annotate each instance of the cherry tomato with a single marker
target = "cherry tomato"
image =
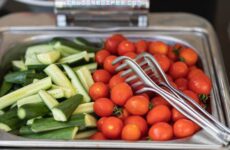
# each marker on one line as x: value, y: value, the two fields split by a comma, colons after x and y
x: 178, y: 70
x: 194, y: 72
x: 116, y: 79
x: 103, y: 107
x: 160, y: 113
x: 112, y: 127
x: 101, y: 55
x: 124, y: 114
x: 161, y: 131
x: 192, y: 67
x: 158, y: 100
x: 125, y: 46
x: 131, y: 132
x: 173, y: 52
x: 98, y: 136
x: 169, y: 77
x: 98, y: 90
x: 100, y: 122
x: 183, y: 128
x: 138, y: 121
x: 189, y: 56
x: 163, y: 61
x: 130, y: 55
x: 158, y: 47
x: 121, y: 93
x: 192, y: 95
x: 112, y: 43
x: 182, y: 83
x: 145, y: 95
x: 176, y: 115
x: 101, y: 75
x: 141, y: 46
x: 200, y: 84
x: 108, y: 64
x: 137, y: 105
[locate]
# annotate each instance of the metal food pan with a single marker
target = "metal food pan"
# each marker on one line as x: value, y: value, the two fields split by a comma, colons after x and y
x: 197, y: 34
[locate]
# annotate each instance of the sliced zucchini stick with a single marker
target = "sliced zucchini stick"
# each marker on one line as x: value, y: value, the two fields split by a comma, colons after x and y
x: 49, y: 124
x: 92, y: 67
x: 25, y: 130
x: 76, y: 83
x: 10, y: 121
x: 48, y: 99
x: 49, y: 57
x: 75, y: 57
x: 31, y: 53
x: 1, y: 112
x: 19, y: 65
x: 30, y: 111
x: 84, y: 108
x: 85, y: 134
x: 25, y: 91
x: 64, y: 110
x: 5, y: 87
x: 65, y: 50
x: 55, y: 93
x: 60, y: 79
x: 61, y: 134
x: 31, y: 121
x: 85, y: 77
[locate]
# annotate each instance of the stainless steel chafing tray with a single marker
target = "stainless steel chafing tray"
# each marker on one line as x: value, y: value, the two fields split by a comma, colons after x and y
x: 184, y: 28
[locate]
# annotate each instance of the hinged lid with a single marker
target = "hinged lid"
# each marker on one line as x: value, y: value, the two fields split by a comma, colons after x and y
x: 103, y: 13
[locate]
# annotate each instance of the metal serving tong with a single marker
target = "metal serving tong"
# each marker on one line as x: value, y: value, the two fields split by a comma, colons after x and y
x: 139, y: 73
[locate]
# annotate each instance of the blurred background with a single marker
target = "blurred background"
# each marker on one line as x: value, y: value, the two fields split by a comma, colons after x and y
x: 215, y: 11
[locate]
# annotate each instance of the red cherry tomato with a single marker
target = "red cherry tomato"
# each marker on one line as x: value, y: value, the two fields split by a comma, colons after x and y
x: 173, y: 52
x: 98, y: 90
x: 101, y: 75
x: 161, y: 131
x: 163, y: 61
x: 178, y: 70
x: 121, y: 93
x: 158, y: 100
x: 158, y: 47
x: 100, y: 122
x: 160, y: 113
x: 112, y: 43
x: 169, y: 77
x: 138, y: 121
x: 112, y: 127
x: 141, y: 46
x: 194, y: 72
x: 103, y: 107
x: 131, y: 132
x: 183, y: 128
x: 182, y: 83
x: 101, y: 55
x: 176, y: 115
x: 108, y: 64
x: 116, y: 79
x: 137, y: 105
x: 200, y: 84
x: 192, y: 95
x: 189, y: 56
x: 98, y: 136
x: 125, y: 47
x: 131, y: 55
x: 124, y: 114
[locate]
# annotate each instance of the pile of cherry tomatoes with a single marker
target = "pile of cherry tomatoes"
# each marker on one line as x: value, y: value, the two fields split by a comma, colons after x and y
x: 128, y: 116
